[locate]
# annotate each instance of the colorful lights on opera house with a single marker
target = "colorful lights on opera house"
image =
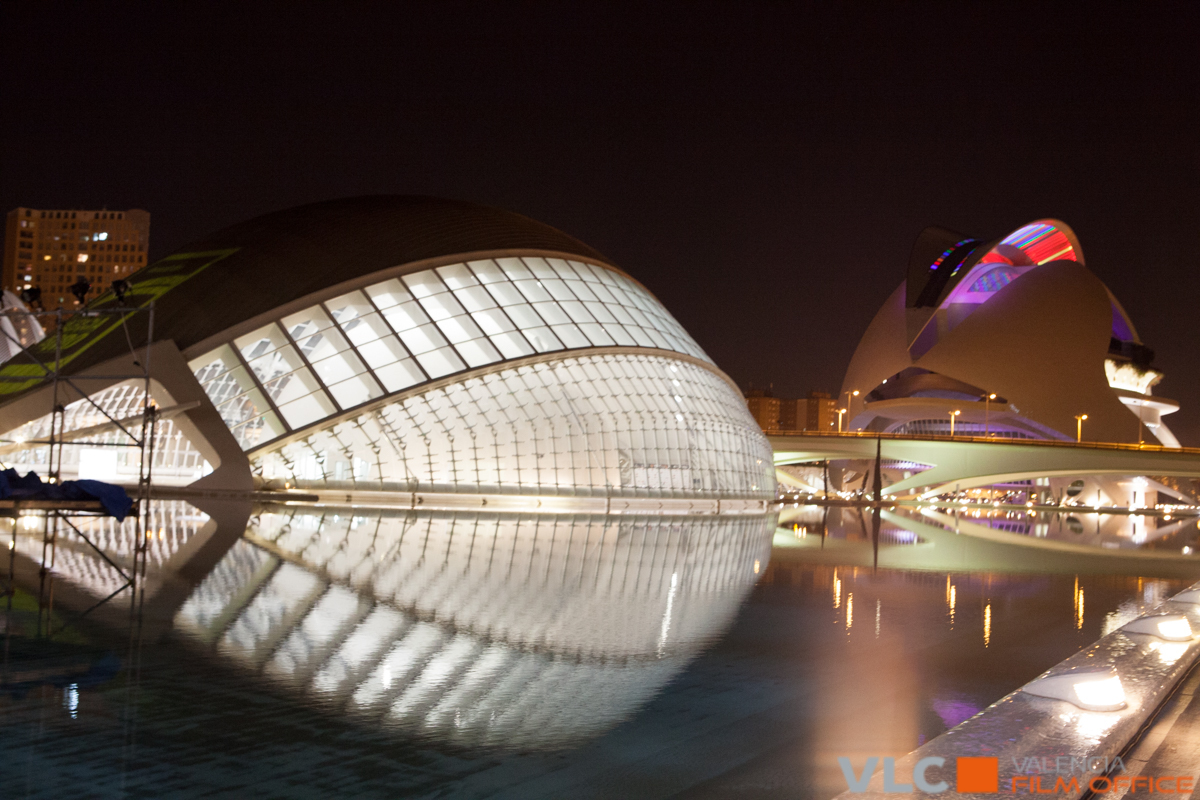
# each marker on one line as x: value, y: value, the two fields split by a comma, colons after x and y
x: 1017, y: 335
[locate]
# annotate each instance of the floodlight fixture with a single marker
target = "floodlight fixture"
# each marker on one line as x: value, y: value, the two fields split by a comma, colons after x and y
x: 1089, y: 689
x: 1170, y: 627
x: 80, y: 289
x: 32, y: 296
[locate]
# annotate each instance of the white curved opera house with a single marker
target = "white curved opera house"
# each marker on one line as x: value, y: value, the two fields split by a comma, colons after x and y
x: 1015, y: 337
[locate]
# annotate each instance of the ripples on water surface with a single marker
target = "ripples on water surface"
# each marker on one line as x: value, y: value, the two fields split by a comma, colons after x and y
x: 319, y: 653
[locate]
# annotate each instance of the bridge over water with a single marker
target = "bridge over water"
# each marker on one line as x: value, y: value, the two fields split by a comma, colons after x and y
x: 969, y: 461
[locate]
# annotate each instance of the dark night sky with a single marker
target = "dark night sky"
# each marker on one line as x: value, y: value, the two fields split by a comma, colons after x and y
x: 762, y: 167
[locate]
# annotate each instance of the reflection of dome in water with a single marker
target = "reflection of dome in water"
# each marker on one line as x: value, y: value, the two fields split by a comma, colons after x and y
x: 410, y: 344
x: 477, y: 630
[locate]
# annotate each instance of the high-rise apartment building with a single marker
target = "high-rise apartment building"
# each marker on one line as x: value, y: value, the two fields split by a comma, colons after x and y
x: 817, y: 412
x: 52, y: 250
x: 820, y: 412
x: 764, y: 408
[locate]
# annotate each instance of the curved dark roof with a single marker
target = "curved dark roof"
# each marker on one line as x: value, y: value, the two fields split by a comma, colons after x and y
x: 288, y: 254
x: 250, y: 268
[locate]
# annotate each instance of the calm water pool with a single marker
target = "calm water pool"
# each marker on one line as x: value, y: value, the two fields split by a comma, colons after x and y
x: 370, y: 654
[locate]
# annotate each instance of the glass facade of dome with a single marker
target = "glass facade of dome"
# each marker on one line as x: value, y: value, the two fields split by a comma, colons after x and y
x: 455, y: 349
x: 397, y: 333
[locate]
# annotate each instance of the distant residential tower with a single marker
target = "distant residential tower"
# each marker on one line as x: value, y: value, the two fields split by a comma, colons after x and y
x: 52, y: 250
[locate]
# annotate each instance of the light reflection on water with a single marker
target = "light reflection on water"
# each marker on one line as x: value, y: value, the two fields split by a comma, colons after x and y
x: 321, y: 653
x: 1075, y: 525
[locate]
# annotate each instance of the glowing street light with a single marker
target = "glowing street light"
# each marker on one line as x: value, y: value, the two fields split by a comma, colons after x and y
x: 987, y: 400
x: 849, y: 394
x: 840, y: 412
x: 953, y: 414
x: 1079, y: 418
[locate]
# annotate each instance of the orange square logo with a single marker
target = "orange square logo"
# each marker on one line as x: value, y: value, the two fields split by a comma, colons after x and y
x: 978, y: 775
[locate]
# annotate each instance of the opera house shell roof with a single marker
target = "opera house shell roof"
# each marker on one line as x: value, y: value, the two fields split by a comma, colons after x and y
x: 1017, y: 335
x: 403, y: 344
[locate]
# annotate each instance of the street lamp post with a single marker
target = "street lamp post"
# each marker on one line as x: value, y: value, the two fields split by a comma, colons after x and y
x: 987, y: 400
x: 840, y: 412
x: 953, y: 414
x: 849, y: 394
x: 1079, y: 418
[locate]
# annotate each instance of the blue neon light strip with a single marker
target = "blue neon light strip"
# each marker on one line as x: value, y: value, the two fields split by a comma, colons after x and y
x: 945, y: 254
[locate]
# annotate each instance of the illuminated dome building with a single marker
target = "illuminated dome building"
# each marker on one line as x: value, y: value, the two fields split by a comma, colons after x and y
x: 404, y: 345
x: 1016, y: 335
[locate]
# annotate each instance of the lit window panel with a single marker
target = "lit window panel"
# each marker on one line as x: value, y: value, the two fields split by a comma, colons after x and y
x: 596, y: 334
x: 493, y: 321
x: 459, y: 329
x: 424, y: 284
x: 570, y: 336
x: 423, y: 338
x: 478, y: 352
x: 542, y: 339
x: 400, y: 375
x: 552, y: 313
x: 306, y: 409
x: 389, y: 293
x: 511, y: 344
x: 276, y: 363
x: 457, y: 276
x: 442, y: 361
x: 488, y: 272
x: 258, y: 431
x: 355, y: 391
x: 514, y: 269
x: 365, y: 329
x: 533, y: 291
x: 265, y: 340
x: 397, y: 333
x: 406, y: 316
x: 348, y: 307
x: 506, y: 294
x: 474, y: 298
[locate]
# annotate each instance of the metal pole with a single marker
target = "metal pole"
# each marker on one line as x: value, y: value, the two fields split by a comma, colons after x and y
x: 145, y: 471
x: 53, y: 472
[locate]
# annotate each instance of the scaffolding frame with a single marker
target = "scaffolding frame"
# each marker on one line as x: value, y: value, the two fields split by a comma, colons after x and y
x: 61, y: 515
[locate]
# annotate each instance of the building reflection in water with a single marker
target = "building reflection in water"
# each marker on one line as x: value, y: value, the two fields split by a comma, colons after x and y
x: 479, y: 630
x: 415, y: 654
x: 1074, y: 524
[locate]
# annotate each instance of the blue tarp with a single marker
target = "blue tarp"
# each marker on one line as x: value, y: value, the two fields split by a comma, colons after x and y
x: 116, y: 501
